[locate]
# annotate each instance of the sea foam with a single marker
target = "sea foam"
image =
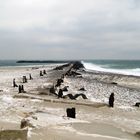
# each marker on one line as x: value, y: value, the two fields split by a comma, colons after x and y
x: 91, y: 66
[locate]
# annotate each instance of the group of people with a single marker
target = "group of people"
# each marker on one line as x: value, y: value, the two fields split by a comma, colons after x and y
x: 21, y: 87
x: 59, y: 81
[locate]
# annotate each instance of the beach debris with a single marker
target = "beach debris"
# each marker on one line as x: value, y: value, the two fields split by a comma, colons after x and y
x: 14, y: 83
x: 13, y: 135
x: 25, y: 123
x: 137, y: 104
x: 111, y: 100
x: 71, y: 112
x: 74, y: 97
x: 24, y: 79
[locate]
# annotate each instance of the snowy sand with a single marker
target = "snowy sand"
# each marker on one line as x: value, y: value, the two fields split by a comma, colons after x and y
x: 49, y: 119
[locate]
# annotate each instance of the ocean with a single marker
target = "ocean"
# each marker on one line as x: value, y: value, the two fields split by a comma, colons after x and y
x: 126, y: 67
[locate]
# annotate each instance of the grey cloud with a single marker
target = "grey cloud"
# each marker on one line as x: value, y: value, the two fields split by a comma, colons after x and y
x: 76, y: 29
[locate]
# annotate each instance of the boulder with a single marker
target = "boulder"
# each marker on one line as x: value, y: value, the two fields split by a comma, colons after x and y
x: 137, y: 104
x: 82, y: 89
x: 65, y: 88
x: 77, y: 65
x: 74, y: 97
x: 25, y: 123
x: 71, y: 112
x: 114, y: 83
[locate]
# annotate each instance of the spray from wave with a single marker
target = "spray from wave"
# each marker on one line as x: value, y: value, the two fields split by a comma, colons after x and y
x: 91, y: 66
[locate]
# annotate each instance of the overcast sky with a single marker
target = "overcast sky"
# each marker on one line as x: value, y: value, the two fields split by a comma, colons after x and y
x: 69, y: 29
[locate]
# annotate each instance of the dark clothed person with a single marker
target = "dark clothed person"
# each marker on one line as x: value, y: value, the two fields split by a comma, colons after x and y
x: 111, y: 100
x: 14, y: 83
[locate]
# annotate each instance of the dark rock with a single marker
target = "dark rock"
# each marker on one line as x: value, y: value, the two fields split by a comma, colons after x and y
x: 60, y: 93
x: 71, y: 112
x: 74, y: 97
x: 59, y: 81
x: 25, y: 123
x: 77, y: 65
x: 72, y: 73
x: 82, y: 89
x: 114, y: 83
x: 65, y: 88
x: 137, y: 104
x: 52, y: 90
x: 62, y: 67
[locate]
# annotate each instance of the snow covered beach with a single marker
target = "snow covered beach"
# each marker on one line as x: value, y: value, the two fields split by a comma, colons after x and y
x: 49, y: 116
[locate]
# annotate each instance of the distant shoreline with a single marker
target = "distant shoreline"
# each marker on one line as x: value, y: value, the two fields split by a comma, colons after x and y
x: 43, y: 61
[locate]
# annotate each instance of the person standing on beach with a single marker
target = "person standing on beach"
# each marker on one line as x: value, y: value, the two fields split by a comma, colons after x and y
x: 14, y: 83
x: 111, y: 100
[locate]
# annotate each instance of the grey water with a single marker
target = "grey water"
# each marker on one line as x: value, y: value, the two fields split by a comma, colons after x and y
x: 116, y: 64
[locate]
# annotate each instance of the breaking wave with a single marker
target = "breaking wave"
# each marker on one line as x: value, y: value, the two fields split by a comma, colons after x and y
x: 95, y: 67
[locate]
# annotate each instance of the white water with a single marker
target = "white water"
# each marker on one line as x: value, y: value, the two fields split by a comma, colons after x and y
x: 91, y: 66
